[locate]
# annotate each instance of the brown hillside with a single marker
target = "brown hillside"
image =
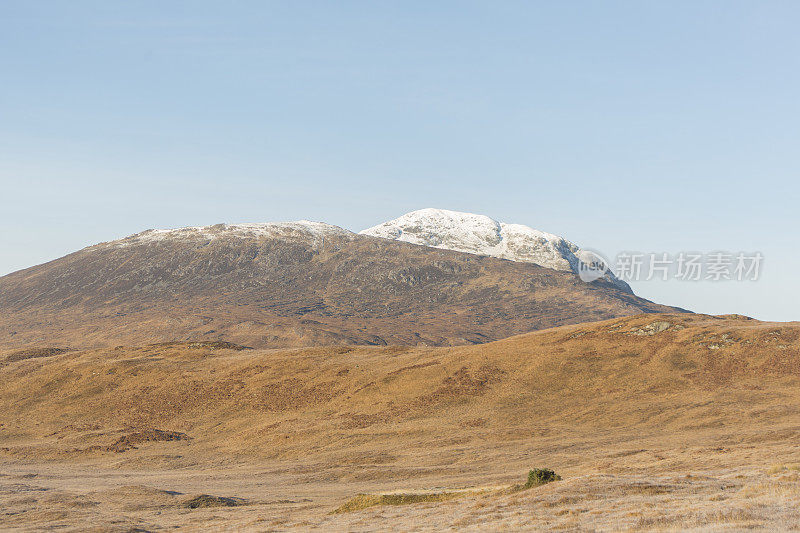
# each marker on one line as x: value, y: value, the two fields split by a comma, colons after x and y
x: 292, y: 289
x: 687, y: 408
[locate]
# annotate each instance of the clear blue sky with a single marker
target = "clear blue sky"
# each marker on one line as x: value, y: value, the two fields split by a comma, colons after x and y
x: 652, y: 126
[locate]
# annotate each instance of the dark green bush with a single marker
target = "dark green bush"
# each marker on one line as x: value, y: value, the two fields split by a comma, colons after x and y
x: 540, y: 476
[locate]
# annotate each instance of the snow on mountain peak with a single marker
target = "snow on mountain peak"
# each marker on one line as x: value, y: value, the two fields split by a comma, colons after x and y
x: 482, y: 235
x: 297, y: 229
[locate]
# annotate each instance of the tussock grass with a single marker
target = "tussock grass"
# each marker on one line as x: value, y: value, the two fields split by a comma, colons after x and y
x: 536, y: 477
x: 364, y: 501
x: 207, y: 500
x: 777, y: 469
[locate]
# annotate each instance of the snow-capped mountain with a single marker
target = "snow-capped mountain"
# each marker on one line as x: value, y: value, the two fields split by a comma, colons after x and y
x: 481, y: 235
x: 307, y: 283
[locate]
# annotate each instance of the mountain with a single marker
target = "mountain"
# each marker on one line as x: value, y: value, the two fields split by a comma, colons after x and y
x: 291, y: 284
x: 479, y: 234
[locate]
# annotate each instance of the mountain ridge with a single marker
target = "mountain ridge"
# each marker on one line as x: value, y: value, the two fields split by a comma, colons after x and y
x: 253, y: 229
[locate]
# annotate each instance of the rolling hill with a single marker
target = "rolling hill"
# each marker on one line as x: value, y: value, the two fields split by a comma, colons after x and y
x: 699, y: 414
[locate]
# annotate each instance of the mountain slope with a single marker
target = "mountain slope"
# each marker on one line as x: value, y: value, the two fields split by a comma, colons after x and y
x: 641, y: 371
x: 291, y: 284
x: 479, y: 234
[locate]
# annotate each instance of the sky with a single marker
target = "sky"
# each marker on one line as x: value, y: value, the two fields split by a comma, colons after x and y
x: 644, y: 126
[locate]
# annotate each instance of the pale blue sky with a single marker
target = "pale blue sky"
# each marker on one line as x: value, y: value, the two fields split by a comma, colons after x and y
x: 651, y: 126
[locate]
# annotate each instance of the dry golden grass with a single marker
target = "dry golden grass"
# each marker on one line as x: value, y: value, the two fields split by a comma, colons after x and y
x: 365, y: 501
x: 691, y: 425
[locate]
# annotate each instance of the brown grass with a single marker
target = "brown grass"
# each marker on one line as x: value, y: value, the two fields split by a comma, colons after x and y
x: 677, y: 436
x: 365, y: 501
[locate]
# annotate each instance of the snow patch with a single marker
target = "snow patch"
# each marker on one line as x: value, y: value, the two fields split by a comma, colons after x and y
x: 300, y: 229
x: 482, y: 235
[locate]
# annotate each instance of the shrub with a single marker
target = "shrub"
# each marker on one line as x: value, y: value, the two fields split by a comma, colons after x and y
x: 540, y: 476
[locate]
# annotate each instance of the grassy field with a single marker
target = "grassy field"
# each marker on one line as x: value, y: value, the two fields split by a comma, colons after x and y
x: 653, y: 422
